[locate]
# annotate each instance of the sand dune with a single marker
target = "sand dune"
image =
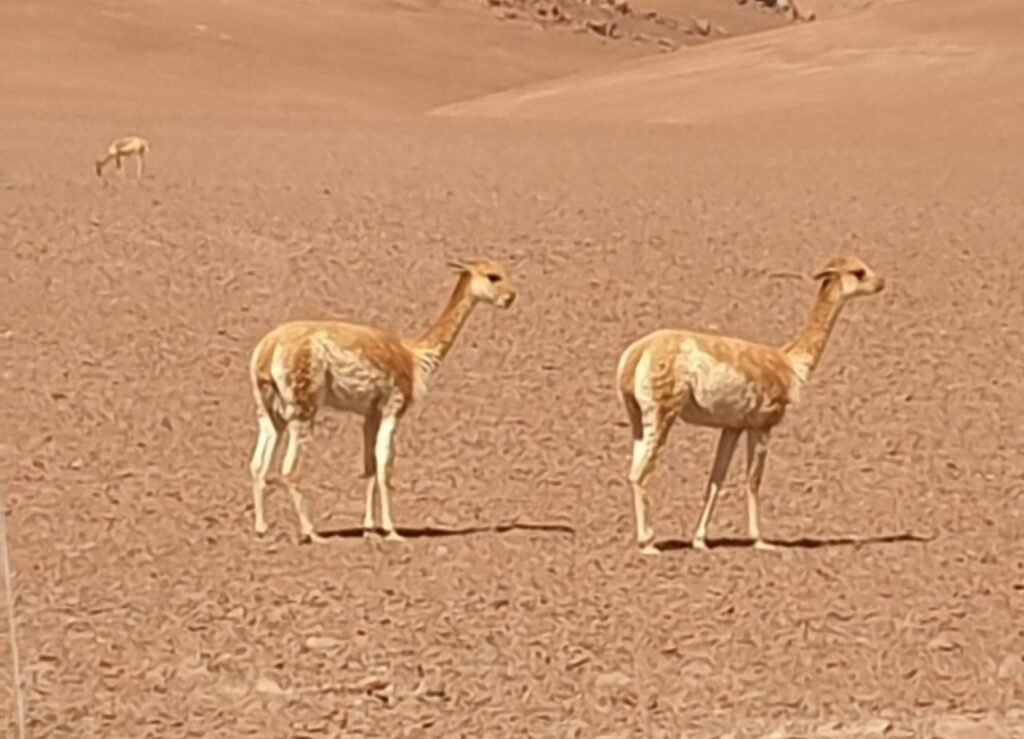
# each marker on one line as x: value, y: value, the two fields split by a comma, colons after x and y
x: 357, y: 58
x: 352, y: 59
x: 897, y: 62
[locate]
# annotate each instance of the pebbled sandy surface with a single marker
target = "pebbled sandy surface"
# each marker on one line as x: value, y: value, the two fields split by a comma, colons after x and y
x: 520, y: 606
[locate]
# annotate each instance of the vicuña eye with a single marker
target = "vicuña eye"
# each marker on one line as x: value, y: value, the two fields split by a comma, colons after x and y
x: 494, y: 278
x: 859, y: 274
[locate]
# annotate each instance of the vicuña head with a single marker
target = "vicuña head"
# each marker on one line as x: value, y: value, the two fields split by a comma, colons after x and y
x: 487, y: 281
x: 852, y: 276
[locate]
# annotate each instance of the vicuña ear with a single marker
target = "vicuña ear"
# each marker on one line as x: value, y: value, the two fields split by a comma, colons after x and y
x: 457, y: 266
x: 825, y: 274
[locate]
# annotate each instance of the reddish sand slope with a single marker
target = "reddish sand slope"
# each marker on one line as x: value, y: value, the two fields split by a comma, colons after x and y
x: 358, y: 57
x: 900, y: 62
x: 353, y: 58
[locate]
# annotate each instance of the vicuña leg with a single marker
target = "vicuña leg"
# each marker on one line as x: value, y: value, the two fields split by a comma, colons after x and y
x: 262, y: 458
x: 298, y: 434
x: 757, y: 453
x: 370, y: 428
x: 723, y: 456
x: 142, y: 164
x: 385, y: 453
x: 655, y: 428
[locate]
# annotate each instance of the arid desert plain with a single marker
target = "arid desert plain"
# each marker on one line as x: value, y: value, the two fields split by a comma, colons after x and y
x: 659, y: 164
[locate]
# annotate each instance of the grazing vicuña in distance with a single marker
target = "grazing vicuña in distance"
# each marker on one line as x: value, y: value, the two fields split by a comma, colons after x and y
x: 301, y: 367
x: 123, y: 148
x: 726, y: 383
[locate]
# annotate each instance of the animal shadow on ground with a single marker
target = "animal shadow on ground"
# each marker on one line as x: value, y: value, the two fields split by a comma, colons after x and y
x: 802, y: 543
x: 439, y: 532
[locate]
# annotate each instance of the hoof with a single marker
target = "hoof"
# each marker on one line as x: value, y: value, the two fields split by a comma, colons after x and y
x: 762, y: 546
x: 700, y: 544
x: 393, y: 536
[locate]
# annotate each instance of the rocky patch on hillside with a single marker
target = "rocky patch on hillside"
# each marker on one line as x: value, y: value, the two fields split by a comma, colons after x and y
x: 637, y: 22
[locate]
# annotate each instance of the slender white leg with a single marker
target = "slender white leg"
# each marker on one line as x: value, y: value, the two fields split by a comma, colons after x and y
x: 723, y: 456
x: 371, y: 426
x: 369, y: 525
x: 656, y: 424
x: 757, y: 453
x: 142, y: 164
x: 262, y: 458
x: 644, y: 452
x: 385, y: 456
x: 298, y: 432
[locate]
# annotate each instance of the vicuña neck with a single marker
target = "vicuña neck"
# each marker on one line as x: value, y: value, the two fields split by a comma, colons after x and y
x: 806, y: 349
x: 437, y: 340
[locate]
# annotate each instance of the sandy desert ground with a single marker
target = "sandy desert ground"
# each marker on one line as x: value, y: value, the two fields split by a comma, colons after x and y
x: 325, y: 160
